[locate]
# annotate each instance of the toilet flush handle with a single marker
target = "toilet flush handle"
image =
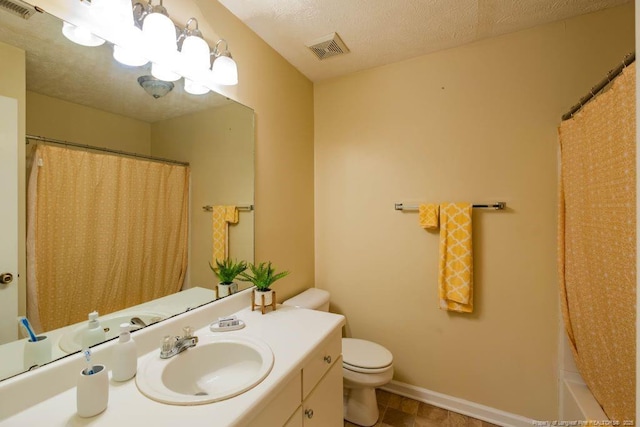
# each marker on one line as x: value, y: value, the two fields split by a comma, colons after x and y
x: 327, y: 359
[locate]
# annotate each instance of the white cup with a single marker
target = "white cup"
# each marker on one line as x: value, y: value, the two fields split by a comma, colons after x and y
x: 92, y: 394
x: 37, y: 352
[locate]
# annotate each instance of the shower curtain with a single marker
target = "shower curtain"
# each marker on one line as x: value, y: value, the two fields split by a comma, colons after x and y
x: 104, y: 233
x: 597, y: 244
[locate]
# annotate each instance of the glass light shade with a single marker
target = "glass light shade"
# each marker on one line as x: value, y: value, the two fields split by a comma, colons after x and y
x: 127, y: 56
x: 159, y: 35
x: 194, y: 88
x: 80, y: 35
x: 225, y: 70
x: 161, y: 72
x: 112, y: 19
x: 130, y: 49
x: 153, y: 87
x: 195, y: 54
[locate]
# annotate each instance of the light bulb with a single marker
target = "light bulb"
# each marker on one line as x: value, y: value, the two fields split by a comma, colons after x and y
x: 80, y: 35
x: 161, y: 72
x: 130, y: 51
x: 194, y: 88
x: 126, y: 56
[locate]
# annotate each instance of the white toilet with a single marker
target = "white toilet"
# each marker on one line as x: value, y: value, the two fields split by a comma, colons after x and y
x: 365, y: 365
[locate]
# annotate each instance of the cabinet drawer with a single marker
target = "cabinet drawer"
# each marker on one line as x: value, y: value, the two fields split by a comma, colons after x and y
x: 320, y: 363
x: 280, y: 409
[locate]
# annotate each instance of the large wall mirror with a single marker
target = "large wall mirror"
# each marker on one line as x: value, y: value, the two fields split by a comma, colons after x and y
x: 81, y: 95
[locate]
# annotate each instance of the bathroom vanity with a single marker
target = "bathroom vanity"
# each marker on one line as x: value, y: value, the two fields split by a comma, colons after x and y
x: 303, y: 388
x: 313, y: 397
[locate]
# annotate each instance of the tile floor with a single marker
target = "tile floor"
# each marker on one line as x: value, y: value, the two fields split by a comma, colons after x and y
x: 398, y: 411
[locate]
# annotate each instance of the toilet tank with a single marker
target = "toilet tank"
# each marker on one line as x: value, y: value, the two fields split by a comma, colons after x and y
x: 314, y: 299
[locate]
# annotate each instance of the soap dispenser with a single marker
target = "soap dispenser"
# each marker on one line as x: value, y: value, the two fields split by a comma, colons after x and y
x: 94, y: 333
x: 125, y: 355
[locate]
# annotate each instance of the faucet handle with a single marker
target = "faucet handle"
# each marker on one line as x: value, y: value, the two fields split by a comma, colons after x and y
x: 188, y: 331
x: 167, y: 344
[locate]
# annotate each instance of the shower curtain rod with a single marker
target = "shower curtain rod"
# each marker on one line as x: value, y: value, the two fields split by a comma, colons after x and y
x: 107, y: 150
x: 628, y: 59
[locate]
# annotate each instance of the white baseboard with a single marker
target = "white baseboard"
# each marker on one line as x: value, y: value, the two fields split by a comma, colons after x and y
x: 461, y: 406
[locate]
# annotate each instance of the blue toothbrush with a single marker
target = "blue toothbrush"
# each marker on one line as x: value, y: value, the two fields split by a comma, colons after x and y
x: 24, y: 322
x: 87, y: 356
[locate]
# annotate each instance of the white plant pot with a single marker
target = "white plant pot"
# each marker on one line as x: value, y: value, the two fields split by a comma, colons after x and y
x: 225, y: 289
x: 268, y: 297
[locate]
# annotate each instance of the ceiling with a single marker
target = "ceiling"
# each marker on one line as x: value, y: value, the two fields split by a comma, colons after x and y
x: 377, y: 32
x: 380, y: 32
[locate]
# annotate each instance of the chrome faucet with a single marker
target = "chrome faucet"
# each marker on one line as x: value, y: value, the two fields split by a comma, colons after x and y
x: 174, y: 345
x: 137, y: 323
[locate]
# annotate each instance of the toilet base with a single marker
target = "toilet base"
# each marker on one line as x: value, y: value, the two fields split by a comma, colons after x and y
x: 361, y: 406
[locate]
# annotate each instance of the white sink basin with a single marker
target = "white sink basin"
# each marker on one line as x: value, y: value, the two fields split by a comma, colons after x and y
x: 72, y: 340
x: 215, y: 369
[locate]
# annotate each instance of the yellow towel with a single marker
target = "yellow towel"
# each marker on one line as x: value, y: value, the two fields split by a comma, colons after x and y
x: 222, y: 217
x: 455, y: 275
x: 428, y: 216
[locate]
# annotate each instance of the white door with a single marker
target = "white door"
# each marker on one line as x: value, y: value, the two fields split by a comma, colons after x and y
x: 8, y: 218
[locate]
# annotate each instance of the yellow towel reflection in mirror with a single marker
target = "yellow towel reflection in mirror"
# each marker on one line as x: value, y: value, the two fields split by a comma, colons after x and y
x: 222, y: 217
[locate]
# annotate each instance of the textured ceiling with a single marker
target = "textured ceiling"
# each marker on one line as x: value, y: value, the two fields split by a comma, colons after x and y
x: 377, y: 32
x: 90, y: 76
x: 381, y: 32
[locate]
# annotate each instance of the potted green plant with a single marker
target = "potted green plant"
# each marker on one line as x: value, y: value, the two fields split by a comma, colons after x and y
x: 262, y: 276
x: 227, y: 271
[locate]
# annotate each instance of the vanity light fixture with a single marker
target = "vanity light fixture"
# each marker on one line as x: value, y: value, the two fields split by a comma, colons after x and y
x: 224, y: 68
x: 145, y: 33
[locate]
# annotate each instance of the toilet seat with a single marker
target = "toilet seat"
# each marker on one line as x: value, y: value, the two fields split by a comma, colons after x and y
x: 365, y: 356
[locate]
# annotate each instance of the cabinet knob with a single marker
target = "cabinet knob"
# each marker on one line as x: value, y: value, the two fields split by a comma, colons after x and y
x: 327, y: 359
x: 309, y: 413
x: 6, y: 278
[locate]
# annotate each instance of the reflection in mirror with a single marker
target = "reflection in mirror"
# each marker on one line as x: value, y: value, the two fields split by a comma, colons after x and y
x: 81, y: 95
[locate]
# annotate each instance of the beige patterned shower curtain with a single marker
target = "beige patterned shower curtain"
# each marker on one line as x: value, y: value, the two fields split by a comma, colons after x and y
x: 597, y: 244
x: 104, y: 232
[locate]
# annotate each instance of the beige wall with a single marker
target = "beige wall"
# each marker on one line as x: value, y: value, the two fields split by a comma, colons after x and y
x: 13, y: 85
x: 282, y: 99
x: 475, y: 123
x: 58, y: 119
x: 218, y: 144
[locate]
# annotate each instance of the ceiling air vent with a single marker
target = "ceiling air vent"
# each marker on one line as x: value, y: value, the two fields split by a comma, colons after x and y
x: 18, y: 8
x: 328, y: 46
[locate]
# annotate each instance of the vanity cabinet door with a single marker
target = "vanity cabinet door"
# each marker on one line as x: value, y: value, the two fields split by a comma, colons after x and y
x: 284, y: 404
x: 323, y: 407
x: 320, y: 363
x: 296, y: 419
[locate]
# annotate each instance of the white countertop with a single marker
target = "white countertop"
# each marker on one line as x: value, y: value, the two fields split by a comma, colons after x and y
x: 291, y: 333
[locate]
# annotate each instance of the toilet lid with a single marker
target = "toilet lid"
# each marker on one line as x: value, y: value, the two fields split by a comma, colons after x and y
x: 364, y: 354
